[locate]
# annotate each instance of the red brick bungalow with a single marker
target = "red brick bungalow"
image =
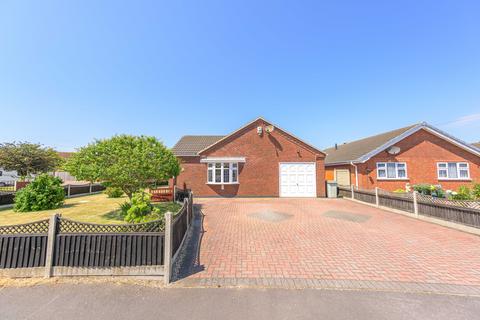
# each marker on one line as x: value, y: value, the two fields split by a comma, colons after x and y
x: 257, y: 160
x: 416, y: 154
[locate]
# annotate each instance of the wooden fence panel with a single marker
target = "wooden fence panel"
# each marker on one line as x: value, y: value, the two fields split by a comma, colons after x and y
x: 344, y: 192
x: 22, y: 251
x: 364, y: 196
x: 466, y: 216
x: 109, y: 250
x: 394, y: 202
x: 179, y: 228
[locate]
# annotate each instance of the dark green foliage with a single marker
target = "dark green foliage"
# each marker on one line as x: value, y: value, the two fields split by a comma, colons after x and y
x: 131, y: 163
x: 28, y: 158
x: 113, y: 192
x: 43, y: 193
x: 429, y: 190
x: 463, y: 193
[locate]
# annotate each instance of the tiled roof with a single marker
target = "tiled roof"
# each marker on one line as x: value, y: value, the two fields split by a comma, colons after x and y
x: 477, y: 144
x: 353, y: 150
x: 191, y: 145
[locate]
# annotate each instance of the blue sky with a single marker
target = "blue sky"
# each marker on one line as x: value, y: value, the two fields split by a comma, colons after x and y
x: 327, y: 71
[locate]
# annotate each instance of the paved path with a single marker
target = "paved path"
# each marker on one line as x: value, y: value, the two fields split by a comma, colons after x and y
x: 311, y: 243
x: 119, y: 302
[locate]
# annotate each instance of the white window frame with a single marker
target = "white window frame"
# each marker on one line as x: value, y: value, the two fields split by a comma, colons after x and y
x: 211, y: 166
x: 385, y: 164
x: 457, y: 163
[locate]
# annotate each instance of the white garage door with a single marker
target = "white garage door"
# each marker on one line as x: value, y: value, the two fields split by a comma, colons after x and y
x: 298, y: 179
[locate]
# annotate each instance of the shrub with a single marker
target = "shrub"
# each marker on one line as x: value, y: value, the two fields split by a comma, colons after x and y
x: 113, y: 192
x: 463, y: 193
x: 43, y: 193
x: 476, y: 191
x: 140, y: 208
x: 429, y: 190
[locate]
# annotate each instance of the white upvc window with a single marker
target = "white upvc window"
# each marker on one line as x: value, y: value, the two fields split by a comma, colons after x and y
x: 391, y: 170
x: 453, y: 171
x: 222, y: 173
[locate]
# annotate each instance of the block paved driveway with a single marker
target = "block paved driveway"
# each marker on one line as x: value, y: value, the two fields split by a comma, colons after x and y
x: 329, y: 239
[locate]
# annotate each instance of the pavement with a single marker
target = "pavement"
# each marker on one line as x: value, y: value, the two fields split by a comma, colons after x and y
x: 325, y: 243
x: 110, y: 301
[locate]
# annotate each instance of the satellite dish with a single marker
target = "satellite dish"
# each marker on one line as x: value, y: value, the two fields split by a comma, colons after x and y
x: 394, y: 150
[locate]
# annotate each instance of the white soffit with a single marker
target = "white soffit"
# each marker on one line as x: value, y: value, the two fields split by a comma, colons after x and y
x: 222, y: 159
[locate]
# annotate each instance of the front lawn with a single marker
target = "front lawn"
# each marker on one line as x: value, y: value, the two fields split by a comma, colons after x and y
x: 96, y: 208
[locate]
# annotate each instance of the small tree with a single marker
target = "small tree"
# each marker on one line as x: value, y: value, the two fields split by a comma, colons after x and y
x: 28, y: 158
x: 43, y: 193
x: 130, y: 163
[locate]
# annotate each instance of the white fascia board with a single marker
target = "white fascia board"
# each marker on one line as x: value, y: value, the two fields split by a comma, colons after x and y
x: 222, y: 159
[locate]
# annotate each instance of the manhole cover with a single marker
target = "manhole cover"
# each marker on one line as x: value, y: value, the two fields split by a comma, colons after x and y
x: 347, y: 216
x: 270, y: 216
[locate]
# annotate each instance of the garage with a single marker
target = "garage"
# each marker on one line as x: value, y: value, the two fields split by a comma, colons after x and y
x: 298, y: 179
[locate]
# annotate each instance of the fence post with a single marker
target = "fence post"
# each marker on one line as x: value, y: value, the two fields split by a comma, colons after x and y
x: 415, y: 203
x: 377, y: 200
x: 353, y: 187
x: 52, y: 231
x: 167, y: 263
x: 174, y: 193
x: 68, y: 191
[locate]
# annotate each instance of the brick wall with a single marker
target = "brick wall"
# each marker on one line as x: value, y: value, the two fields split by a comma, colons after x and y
x: 259, y: 175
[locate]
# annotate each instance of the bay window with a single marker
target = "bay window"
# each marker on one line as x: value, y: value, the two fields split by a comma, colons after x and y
x: 453, y: 171
x: 391, y: 170
x: 222, y: 173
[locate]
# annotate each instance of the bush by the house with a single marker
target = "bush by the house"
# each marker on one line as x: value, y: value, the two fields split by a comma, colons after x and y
x: 141, y: 209
x: 429, y: 190
x: 43, y: 193
x: 463, y: 193
x: 476, y: 191
x: 113, y: 192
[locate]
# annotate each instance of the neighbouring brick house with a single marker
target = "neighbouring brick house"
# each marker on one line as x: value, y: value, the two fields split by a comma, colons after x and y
x: 419, y: 153
x: 259, y: 160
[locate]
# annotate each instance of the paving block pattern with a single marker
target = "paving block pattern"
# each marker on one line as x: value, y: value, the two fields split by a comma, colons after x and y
x: 307, y: 241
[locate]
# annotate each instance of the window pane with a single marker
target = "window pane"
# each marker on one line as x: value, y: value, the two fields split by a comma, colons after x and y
x: 401, y: 173
x: 463, y: 173
x: 400, y: 165
x: 381, y: 173
x: 234, y: 175
x: 442, y: 165
x: 391, y: 173
x: 442, y: 173
x: 210, y: 175
x: 218, y: 172
x: 452, y: 170
x: 226, y: 172
x: 381, y: 165
x: 462, y: 165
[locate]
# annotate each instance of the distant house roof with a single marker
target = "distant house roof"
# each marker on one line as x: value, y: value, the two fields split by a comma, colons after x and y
x: 65, y: 155
x: 191, y: 145
x: 361, y: 150
x: 477, y: 144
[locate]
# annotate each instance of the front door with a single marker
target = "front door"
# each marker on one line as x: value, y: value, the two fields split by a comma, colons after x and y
x: 298, y: 179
